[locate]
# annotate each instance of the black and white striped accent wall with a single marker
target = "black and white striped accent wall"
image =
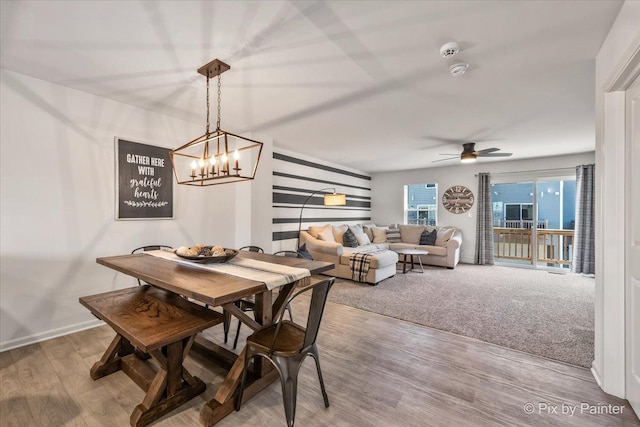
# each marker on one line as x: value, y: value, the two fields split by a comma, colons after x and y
x: 295, y: 177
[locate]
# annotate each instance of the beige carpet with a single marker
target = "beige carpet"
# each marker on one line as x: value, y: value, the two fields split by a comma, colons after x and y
x: 541, y: 313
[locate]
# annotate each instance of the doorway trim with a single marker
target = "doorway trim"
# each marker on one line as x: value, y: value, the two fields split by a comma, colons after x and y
x: 608, y: 368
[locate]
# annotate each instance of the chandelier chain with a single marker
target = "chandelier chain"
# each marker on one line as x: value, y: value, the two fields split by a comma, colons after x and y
x: 207, y: 104
x: 219, y: 114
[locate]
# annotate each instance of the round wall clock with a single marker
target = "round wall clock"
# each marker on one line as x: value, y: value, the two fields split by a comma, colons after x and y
x: 457, y: 199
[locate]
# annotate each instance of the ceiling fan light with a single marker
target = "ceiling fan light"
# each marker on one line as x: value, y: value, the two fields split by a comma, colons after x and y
x: 468, y: 158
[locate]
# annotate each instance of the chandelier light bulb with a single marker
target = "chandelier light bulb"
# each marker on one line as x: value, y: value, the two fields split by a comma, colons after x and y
x: 202, y: 163
x: 236, y: 166
x: 194, y: 165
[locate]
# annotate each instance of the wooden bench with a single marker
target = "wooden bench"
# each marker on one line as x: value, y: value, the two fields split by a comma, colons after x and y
x: 151, y: 323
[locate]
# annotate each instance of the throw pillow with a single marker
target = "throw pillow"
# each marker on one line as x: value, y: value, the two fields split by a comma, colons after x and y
x: 314, y: 230
x: 357, y: 229
x: 428, y: 238
x: 444, y: 235
x: 393, y: 236
x: 411, y: 233
x: 363, y: 239
x: 327, y: 235
x: 368, y: 232
x: 338, y: 232
x: 379, y: 235
x: 304, y: 253
x: 349, y: 239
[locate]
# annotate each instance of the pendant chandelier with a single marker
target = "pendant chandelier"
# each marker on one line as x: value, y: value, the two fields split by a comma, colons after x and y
x: 217, y: 157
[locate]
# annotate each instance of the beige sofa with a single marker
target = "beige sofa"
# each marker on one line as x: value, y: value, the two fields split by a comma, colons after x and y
x: 445, y: 252
x: 383, y: 265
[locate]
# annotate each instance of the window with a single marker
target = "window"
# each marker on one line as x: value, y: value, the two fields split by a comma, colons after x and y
x: 421, y: 204
x: 518, y: 215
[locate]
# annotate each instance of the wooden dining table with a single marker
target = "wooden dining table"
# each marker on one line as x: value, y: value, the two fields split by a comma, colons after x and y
x: 220, y: 290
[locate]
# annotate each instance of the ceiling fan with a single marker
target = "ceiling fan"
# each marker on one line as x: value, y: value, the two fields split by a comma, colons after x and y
x: 469, y: 154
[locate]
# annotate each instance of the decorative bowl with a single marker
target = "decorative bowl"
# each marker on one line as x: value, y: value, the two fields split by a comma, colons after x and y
x: 229, y: 253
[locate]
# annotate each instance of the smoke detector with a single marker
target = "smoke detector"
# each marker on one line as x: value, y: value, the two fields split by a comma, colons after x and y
x: 458, y: 69
x: 449, y: 49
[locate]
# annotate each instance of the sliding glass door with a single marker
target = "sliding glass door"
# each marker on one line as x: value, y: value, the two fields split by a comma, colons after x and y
x: 556, y: 221
x: 512, y: 219
x: 533, y: 222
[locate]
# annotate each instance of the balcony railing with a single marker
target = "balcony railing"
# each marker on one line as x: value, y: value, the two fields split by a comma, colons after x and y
x: 553, y: 246
x: 520, y: 223
x: 512, y: 243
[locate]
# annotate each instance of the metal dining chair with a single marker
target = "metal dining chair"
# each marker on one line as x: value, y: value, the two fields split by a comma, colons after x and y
x: 252, y: 249
x: 290, y: 254
x: 249, y: 305
x: 149, y: 248
x: 286, y: 345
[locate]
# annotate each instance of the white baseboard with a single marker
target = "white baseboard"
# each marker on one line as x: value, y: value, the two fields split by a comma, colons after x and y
x: 43, y: 336
x: 596, y: 374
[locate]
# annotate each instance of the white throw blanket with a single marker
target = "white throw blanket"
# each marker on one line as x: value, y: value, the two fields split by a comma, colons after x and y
x: 272, y: 275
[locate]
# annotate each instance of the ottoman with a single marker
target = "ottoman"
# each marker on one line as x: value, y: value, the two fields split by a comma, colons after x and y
x: 383, y: 265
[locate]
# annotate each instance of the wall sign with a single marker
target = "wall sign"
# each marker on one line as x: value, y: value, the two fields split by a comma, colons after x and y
x: 144, y: 181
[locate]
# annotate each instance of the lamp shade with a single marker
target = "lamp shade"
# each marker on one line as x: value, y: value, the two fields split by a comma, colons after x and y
x: 335, y: 199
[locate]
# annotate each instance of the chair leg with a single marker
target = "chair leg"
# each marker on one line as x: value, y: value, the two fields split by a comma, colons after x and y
x: 235, y: 341
x: 289, y: 367
x: 314, y: 354
x: 242, y: 307
x: 247, y: 358
x: 227, y: 324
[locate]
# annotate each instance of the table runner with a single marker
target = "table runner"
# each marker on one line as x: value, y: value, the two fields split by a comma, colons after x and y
x: 272, y: 275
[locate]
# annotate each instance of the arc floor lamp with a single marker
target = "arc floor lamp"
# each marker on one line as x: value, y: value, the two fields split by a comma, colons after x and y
x: 330, y: 199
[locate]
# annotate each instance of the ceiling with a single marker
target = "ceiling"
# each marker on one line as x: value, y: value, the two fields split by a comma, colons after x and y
x: 357, y: 83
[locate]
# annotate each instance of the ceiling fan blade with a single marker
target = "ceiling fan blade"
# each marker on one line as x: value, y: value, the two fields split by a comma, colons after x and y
x: 439, y: 139
x: 487, y: 150
x: 444, y: 160
x: 448, y: 154
x: 495, y: 155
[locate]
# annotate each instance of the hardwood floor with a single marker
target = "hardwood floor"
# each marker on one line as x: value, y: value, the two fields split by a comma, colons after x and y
x: 379, y: 371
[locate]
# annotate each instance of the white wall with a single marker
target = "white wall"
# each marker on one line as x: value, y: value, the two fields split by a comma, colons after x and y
x: 57, y: 203
x: 616, y: 63
x: 261, y: 193
x: 388, y: 190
